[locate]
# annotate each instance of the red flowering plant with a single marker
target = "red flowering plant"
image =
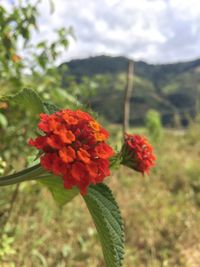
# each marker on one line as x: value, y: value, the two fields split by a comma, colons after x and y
x: 137, y: 153
x: 73, y: 145
x: 75, y: 157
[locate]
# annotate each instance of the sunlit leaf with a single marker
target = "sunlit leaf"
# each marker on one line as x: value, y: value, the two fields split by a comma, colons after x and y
x: 61, y: 195
x: 28, y: 99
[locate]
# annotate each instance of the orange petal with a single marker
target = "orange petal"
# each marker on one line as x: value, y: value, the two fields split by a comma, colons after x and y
x: 69, y: 119
x: 83, y: 155
x: 95, y: 125
x: 67, y: 136
x: 100, y: 136
x: 67, y: 154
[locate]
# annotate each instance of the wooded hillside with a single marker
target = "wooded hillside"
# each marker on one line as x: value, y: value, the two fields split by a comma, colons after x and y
x: 172, y: 89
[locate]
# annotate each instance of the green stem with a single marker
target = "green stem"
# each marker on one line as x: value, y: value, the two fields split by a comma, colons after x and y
x: 31, y: 173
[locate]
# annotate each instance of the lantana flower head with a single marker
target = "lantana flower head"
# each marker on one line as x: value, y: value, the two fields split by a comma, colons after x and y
x: 74, y: 146
x: 137, y: 153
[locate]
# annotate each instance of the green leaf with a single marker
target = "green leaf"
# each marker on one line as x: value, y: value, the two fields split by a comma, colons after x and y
x: 62, y: 96
x: 50, y: 108
x: 106, y: 215
x: 28, y: 99
x: 61, y: 195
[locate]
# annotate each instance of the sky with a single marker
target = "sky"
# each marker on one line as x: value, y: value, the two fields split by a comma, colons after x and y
x: 156, y: 31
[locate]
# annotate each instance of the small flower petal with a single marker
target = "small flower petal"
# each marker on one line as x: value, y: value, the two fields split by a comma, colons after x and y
x: 67, y: 154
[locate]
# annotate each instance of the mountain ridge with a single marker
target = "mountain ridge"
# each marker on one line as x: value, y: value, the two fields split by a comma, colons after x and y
x: 175, y: 84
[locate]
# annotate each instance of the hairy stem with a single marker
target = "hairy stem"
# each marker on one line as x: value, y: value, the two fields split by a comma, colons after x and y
x: 31, y: 173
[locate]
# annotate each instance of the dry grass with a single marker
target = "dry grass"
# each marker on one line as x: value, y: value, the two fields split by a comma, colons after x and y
x: 161, y: 215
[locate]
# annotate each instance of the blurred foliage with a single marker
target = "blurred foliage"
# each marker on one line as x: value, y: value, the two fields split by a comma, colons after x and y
x: 193, y: 131
x: 6, y: 246
x: 3, y: 121
x: 2, y: 166
x: 154, y: 125
x: 23, y: 62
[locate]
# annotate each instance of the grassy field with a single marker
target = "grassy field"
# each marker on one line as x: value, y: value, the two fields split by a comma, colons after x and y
x: 161, y: 215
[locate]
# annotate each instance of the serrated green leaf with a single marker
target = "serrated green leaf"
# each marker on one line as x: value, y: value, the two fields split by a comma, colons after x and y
x: 28, y: 99
x: 61, y: 195
x: 50, y: 108
x: 61, y: 96
x: 107, y: 218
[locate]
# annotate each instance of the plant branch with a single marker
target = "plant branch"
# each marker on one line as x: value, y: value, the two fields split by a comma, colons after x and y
x: 28, y: 174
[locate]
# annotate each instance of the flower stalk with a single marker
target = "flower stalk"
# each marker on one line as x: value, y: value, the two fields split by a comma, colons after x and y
x: 31, y: 173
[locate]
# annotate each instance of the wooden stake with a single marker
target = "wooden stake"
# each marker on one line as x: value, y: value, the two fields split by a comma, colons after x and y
x: 127, y: 95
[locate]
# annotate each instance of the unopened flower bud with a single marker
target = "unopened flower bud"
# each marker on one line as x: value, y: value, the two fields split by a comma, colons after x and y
x: 137, y: 153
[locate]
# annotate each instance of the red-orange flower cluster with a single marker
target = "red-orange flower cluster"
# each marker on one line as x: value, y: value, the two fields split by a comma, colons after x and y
x: 138, y: 153
x: 74, y: 147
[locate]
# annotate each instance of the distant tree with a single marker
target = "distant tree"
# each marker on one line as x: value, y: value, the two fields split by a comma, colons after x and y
x: 154, y: 125
x: 18, y: 55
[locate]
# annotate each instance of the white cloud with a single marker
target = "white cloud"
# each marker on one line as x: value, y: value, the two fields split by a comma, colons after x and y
x: 152, y: 30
